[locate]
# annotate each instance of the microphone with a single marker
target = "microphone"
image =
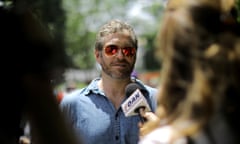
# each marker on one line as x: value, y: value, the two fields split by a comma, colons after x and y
x: 136, y: 103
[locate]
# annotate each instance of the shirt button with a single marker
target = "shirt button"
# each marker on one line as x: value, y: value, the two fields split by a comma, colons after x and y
x: 116, y: 137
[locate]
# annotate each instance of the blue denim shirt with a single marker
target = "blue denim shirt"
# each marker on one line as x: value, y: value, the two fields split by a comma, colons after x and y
x: 96, y: 120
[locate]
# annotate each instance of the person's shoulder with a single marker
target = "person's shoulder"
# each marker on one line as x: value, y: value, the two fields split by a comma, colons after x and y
x: 73, y: 96
x: 145, y: 85
x: 150, y: 89
x: 161, y: 135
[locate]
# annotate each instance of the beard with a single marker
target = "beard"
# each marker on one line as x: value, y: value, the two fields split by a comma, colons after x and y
x: 118, y: 69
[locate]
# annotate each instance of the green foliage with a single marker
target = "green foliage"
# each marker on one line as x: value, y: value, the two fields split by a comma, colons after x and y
x: 74, y: 23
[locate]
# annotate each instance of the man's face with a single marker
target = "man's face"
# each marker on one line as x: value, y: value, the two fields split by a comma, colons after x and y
x: 118, y: 56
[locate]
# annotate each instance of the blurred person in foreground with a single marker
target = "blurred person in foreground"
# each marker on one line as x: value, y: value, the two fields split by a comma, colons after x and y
x: 26, y: 91
x: 95, y: 111
x: 199, y: 43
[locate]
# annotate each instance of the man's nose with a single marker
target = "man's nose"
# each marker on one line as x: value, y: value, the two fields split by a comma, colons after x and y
x: 120, y: 54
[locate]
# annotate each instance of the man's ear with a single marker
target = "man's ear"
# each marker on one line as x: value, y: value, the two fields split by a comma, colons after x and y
x: 97, y: 54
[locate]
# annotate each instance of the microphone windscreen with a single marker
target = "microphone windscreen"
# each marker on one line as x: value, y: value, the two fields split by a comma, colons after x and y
x: 130, y: 88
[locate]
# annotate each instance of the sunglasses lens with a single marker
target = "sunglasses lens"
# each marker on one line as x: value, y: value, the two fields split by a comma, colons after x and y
x: 129, y: 51
x: 111, y: 50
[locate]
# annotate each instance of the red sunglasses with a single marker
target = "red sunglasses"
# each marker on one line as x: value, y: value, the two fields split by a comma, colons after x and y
x: 113, y: 50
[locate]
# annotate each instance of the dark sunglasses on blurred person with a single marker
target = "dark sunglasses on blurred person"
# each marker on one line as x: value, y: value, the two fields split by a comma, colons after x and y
x: 112, y: 50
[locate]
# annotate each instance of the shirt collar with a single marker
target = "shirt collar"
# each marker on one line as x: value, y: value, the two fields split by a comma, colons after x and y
x: 93, y: 87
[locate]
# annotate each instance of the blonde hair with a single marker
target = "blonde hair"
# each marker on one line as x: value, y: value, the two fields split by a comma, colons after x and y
x: 200, y: 54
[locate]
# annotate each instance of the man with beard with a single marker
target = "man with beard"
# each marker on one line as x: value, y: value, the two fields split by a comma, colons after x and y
x: 95, y: 111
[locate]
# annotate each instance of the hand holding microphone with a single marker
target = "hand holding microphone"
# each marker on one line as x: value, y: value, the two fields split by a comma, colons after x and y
x: 141, y: 112
x: 136, y: 103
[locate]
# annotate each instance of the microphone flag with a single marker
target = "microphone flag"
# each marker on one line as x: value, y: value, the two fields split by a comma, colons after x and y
x: 134, y: 102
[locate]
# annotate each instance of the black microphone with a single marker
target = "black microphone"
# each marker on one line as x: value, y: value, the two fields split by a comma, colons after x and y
x: 136, y: 103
